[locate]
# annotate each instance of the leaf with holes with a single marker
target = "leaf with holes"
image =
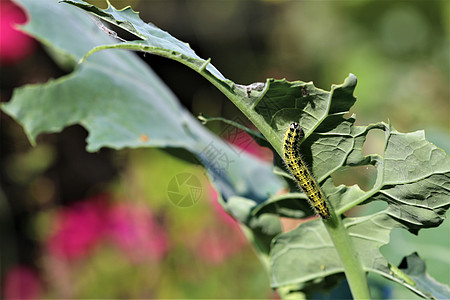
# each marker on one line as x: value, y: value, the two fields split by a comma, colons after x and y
x: 118, y: 100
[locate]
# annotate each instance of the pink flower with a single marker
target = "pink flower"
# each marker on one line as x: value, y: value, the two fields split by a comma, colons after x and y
x: 21, y: 282
x: 245, y: 142
x: 14, y: 44
x: 134, y: 229
x: 215, y: 246
x: 84, y: 225
x: 221, y: 240
x: 79, y: 228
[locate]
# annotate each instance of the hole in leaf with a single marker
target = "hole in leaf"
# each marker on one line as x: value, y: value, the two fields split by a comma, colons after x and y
x: 363, y: 176
x: 374, y: 144
x: 431, y: 244
x: 348, y: 115
x: 366, y: 209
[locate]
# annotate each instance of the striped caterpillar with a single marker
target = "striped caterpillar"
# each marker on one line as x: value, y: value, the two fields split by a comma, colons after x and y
x: 301, y: 173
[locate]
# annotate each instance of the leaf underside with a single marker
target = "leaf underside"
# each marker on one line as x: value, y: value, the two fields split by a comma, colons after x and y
x: 119, y: 100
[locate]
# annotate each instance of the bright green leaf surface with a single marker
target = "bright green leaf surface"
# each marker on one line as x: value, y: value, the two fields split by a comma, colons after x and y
x: 419, y: 199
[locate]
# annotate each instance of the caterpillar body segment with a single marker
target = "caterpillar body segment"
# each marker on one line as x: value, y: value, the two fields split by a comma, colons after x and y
x: 301, y: 173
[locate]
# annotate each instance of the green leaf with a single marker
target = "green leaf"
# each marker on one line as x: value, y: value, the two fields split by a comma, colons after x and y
x: 122, y: 103
x: 414, y: 267
x: 417, y: 198
x: 151, y: 36
x: 367, y: 234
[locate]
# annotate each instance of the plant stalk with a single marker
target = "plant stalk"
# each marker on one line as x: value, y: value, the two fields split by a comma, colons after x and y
x: 354, y: 272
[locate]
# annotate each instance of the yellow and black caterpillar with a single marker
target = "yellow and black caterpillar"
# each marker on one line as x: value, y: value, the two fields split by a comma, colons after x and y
x: 301, y: 173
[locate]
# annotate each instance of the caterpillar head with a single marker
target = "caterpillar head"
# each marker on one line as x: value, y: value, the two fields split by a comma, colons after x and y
x: 296, y: 129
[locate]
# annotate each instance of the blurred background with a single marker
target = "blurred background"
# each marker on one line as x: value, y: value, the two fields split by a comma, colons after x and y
x: 103, y: 225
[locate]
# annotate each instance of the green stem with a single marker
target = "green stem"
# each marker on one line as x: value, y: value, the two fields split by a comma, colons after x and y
x: 354, y: 272
x: 256, y: 119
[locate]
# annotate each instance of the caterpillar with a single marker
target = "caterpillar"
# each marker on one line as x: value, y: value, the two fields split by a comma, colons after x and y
x: 301, y: 173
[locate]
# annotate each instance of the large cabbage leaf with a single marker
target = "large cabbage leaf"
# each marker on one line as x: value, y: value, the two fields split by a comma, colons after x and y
x: 122, y: 103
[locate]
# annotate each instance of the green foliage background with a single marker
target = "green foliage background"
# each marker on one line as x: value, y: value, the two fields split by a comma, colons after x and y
x: 397, y: 70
